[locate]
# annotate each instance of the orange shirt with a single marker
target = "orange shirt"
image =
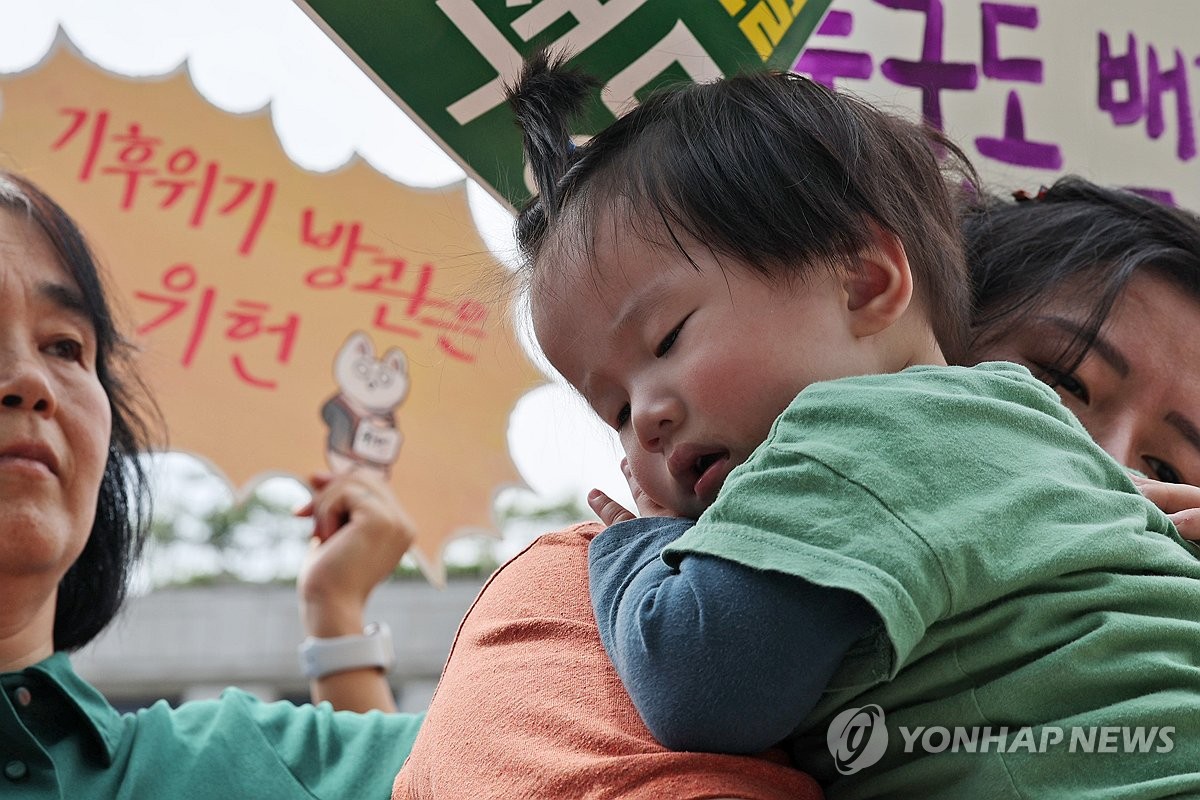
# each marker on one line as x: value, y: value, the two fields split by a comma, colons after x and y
x: 529, y: 705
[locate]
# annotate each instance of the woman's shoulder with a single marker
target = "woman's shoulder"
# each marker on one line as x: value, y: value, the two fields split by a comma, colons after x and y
x: 540, y: 580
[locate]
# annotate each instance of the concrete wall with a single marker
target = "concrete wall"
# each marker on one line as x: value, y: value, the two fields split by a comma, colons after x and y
x: 191, y: 642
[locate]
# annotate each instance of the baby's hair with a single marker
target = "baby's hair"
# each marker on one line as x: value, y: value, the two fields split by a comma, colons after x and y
x: 769, y: 168
x: 1020, y: 253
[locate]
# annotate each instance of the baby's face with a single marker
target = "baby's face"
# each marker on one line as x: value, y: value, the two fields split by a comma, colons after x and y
x: 690, y: 363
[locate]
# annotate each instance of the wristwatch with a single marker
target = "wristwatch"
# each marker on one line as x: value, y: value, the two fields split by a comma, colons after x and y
x: 371, y: 648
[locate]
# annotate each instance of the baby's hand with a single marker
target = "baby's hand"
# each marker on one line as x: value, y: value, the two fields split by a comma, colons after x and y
x: 1180, y: 502
x: 608, y: 510
x: 611, y: 512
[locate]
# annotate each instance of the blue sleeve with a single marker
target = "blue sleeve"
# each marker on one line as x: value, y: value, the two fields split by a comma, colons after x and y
x: 716, y: 656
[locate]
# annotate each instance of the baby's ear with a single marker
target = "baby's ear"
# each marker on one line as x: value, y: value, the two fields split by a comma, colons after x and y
x: 878, y: 285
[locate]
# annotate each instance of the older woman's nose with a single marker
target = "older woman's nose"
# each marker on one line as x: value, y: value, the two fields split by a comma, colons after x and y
x: 24, y: 384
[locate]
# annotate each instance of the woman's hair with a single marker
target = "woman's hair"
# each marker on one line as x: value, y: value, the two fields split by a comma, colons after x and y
x: 1074, y: 236
x: 770, y: 168
x: 92, y: 590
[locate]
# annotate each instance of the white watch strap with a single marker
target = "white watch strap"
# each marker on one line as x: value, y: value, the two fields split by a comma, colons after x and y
x: 372, y: 648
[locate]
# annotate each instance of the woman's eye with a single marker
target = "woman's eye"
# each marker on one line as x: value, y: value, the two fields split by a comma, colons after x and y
x: 622, y: 417
x: 669, y: 340
x: 66, y: 349
x: 1163, y: 471
x: 1065, y: 381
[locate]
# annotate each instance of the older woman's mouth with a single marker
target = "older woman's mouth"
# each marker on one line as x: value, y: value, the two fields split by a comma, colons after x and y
x: 29, y: 455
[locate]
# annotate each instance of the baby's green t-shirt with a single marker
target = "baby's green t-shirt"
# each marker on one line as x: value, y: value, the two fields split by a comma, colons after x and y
x: 1025, y: 589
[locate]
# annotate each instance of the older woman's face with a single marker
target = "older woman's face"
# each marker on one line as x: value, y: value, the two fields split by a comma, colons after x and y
x: 55, y: 417
x: 1138, y: 389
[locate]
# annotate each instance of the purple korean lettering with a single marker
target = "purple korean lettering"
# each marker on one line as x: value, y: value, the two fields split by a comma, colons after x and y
x: 931, y: 74
x: 1028, y: 70
x: 1147, y: 102
x: 1120, y: 70
x: 825, y: 66
x: 1158, y: 83
x: 1013, y: 147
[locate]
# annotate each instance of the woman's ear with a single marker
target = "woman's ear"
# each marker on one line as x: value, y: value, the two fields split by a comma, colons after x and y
x: 878, y: 284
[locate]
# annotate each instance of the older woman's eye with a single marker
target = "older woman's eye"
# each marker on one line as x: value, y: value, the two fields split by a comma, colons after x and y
x: 66, y: 349
x: 1163, y: 471
x: 622, y: 417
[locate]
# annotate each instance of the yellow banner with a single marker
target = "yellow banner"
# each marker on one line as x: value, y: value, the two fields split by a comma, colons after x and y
x: 290, y: 320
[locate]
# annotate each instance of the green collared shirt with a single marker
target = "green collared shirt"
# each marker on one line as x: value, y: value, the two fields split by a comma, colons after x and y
x: 60, y: 738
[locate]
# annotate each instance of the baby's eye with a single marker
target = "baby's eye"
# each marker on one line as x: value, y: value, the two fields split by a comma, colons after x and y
x: 1163, y: 471
x: 669, y: 340
x: 66, y: 349
x: 1066, y: 381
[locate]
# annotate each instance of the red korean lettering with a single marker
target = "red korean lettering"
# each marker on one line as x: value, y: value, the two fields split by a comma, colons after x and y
x: 79, y: 118
x: 346, y: 236
x: 179, y: 281
x: 133, y: 159
x: 247, y: 322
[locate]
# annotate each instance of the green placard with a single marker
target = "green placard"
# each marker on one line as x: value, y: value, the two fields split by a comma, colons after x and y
x: 445, y: 61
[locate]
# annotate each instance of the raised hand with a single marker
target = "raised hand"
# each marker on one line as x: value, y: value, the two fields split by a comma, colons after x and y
x: 360, y: 532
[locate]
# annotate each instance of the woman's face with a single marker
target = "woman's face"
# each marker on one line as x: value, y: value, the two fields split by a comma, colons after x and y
x: 55, y: 417
x: 1137, y: 390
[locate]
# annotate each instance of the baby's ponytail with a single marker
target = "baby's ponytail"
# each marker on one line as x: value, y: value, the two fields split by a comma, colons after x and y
x: 545, y: 99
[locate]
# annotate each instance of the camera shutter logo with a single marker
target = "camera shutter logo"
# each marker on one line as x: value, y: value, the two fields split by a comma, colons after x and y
x: 857, y: 738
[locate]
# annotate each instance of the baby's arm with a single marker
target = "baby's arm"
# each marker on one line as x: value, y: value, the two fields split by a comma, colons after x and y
x: 716, y: 656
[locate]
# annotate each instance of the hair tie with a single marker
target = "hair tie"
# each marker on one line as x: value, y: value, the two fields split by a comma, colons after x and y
x: 1022, y: 196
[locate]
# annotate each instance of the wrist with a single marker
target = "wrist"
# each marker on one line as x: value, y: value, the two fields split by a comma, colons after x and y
x: 326, y: 618
x: 370, y: 648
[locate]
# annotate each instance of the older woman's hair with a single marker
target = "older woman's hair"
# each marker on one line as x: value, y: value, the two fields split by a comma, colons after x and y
x: 92, y: 590
x: 1076, y: 236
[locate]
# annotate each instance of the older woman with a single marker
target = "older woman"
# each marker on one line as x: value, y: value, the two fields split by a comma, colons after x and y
x: 72, y: 514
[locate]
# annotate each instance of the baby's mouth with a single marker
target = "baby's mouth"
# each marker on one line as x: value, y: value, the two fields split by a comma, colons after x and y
x: 710, y: 471
x: 706, y: 461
